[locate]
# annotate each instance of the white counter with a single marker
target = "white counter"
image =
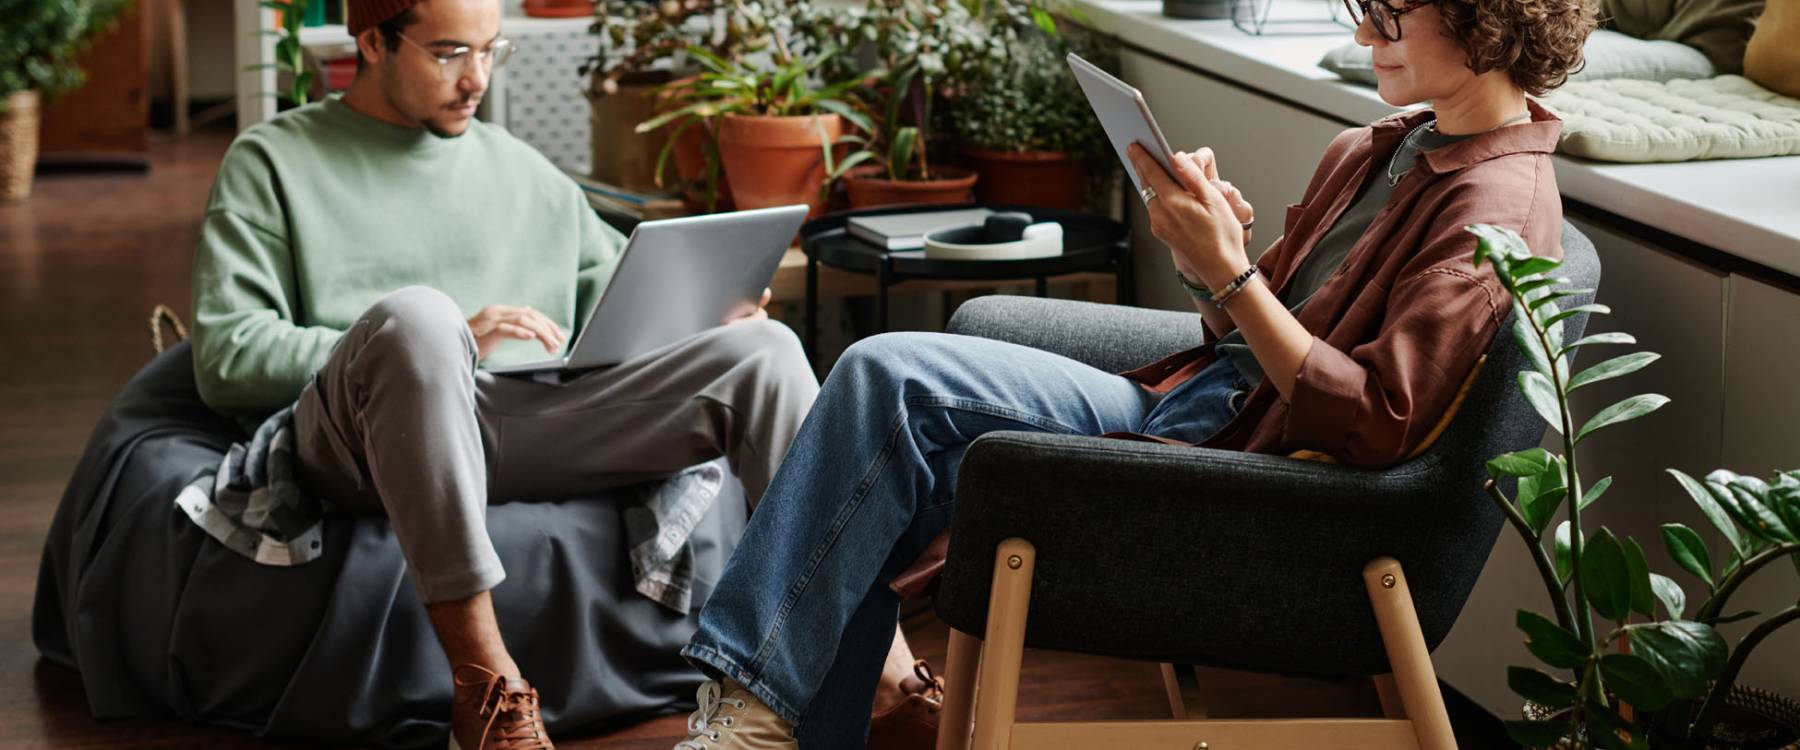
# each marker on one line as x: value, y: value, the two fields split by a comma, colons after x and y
x: 1748, y: 208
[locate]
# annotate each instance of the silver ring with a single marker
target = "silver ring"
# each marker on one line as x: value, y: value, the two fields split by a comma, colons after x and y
x: 1147, y: 193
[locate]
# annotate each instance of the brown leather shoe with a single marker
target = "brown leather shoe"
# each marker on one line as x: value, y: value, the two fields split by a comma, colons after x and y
x: 489, y: 711
x: 912, y: 724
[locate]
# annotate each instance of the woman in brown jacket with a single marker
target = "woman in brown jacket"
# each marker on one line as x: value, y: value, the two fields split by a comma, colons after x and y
x: 1350, y: 337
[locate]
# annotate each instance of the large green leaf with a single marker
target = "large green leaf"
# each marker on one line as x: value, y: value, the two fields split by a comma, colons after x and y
x: 1594, y: 491
x: 1612, y: 368
x: 1673, y: 599
x: 1558, y: 296
x: 1688, y: 551
x: 1540, y: 496
x: 1753, y: 498
x: 1637, y: 567
x: 1709, y: 507
x: 1605, y: 575
x: 1500, y: 245
x: 1687, y: 654
x: 1542, y: 396
x: 1561, y: 556
x: 1542, y: 689
x: 1560, y: 316
x: 1599, y: 338
x: 1523, y: 463
x: 1550, y: 643
x: 1623, y: 411
x: 1632, y: 678
x: 1532, y: 266
x: 1785, y: 501
x: 1527, y: 340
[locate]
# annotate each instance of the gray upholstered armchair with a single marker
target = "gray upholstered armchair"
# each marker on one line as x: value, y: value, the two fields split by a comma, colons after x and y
x: 1196, y: 556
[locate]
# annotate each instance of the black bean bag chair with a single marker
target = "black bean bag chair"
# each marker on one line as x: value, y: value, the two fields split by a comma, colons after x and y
x: 162, y: 620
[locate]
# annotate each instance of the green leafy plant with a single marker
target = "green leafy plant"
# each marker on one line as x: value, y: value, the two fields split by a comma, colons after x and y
x: 789, y: 86
x: 1759, y: 522
x: 1648, y: 664
x: 636, y: 36
x: 40, y: 39
x: 290, y: 56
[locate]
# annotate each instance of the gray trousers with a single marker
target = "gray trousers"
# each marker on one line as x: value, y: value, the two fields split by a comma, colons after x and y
x: 400, y: 421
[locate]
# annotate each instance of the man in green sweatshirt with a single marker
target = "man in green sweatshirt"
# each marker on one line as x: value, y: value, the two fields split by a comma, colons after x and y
x: 361, y: 256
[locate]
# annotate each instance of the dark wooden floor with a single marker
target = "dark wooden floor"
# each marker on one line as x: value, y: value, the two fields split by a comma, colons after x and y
x: 81, y: 265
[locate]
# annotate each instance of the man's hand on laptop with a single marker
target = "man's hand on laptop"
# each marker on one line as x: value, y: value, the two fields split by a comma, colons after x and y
x: 762, y: 309
x: 497, y: 323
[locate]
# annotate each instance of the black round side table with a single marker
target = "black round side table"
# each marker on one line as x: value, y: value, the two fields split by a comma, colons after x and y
x: 1090, y: 243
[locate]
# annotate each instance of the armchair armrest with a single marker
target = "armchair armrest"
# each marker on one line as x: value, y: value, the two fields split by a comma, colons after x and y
x: 1113, y: 338
x: 1195, y: 555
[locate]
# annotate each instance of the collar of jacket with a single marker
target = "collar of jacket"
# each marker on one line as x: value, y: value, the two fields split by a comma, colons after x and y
x: 1538, y: 136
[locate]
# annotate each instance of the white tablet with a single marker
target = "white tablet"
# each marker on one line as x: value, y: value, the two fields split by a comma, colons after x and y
x: 1123, y: 114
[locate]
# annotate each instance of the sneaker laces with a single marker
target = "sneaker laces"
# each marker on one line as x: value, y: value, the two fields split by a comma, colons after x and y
x: 711, y: 698
x: 512, y: 716
x: 933, y: 692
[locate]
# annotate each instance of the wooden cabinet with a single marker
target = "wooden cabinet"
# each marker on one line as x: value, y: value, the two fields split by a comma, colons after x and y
x: 1762, y: 436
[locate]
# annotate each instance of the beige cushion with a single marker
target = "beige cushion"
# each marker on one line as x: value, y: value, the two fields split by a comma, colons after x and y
x: 1727, y: 117
x: 1607, y: 54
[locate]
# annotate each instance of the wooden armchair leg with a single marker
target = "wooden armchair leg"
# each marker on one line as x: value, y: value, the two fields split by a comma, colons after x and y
x: 959, y: 691
x: 1413, y: 676
x: 1389, y: 695
x: 1172, y: 686
x: 1004, y: 646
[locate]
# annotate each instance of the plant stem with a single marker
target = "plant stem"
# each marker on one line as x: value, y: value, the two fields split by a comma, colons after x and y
x: 1545, y: 569
x: 1716, y: 603
x: 1583, y: 622
x: 1703, y: 722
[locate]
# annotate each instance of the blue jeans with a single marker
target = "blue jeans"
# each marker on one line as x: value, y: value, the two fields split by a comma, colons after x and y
x: 803, y: 616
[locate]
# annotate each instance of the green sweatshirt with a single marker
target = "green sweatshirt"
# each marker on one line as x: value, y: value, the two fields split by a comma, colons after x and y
x: 319, y: 212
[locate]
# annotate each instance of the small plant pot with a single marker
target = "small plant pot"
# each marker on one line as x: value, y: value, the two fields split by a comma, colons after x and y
x: 777, y: 161
x: 1054, y: 179
x: 868, y: 188
x: 18, y: 146
x: 559, y: 8
x: 1751, y: 719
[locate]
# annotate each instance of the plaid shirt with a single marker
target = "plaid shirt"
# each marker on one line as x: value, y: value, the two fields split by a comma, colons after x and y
x: 253, y: 505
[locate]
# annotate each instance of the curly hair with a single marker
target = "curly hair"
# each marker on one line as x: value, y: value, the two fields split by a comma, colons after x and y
x: 1537, y: 42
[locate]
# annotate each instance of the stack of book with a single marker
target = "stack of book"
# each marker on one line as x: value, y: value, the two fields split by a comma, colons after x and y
x: 612, y: 200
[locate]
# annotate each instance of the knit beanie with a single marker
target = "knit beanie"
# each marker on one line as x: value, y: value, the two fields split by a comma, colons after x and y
x: 365, y: 14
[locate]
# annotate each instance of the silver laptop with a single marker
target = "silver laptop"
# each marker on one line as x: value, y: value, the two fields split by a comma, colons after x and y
x: 676, y: 278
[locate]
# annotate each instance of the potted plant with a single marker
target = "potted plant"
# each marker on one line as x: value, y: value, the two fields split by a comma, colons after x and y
x: 777, y: 125
x: 1654, y: 675
x: 1027, y: 129
x: 643, y: 48
x: 38, y: 45
x: 901, y: 172
x: 925, y: 51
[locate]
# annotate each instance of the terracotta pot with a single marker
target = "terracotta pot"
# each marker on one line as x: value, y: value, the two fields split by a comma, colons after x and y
x: 622, y: 156
x: 777, y: 161
x: 1029, y: 178
x: 18, y: 146
x: 869, y: 188
x: 559, y: 8
x: 690, y: 165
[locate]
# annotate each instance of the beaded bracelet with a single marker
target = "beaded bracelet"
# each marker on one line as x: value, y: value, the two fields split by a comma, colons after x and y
x: 1236, y: 285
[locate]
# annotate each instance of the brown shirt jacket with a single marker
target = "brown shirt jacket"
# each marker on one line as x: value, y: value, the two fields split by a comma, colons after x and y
x: 1405, y: 320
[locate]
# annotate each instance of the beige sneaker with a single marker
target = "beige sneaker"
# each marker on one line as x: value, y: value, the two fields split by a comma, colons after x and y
x: 731, y: 718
